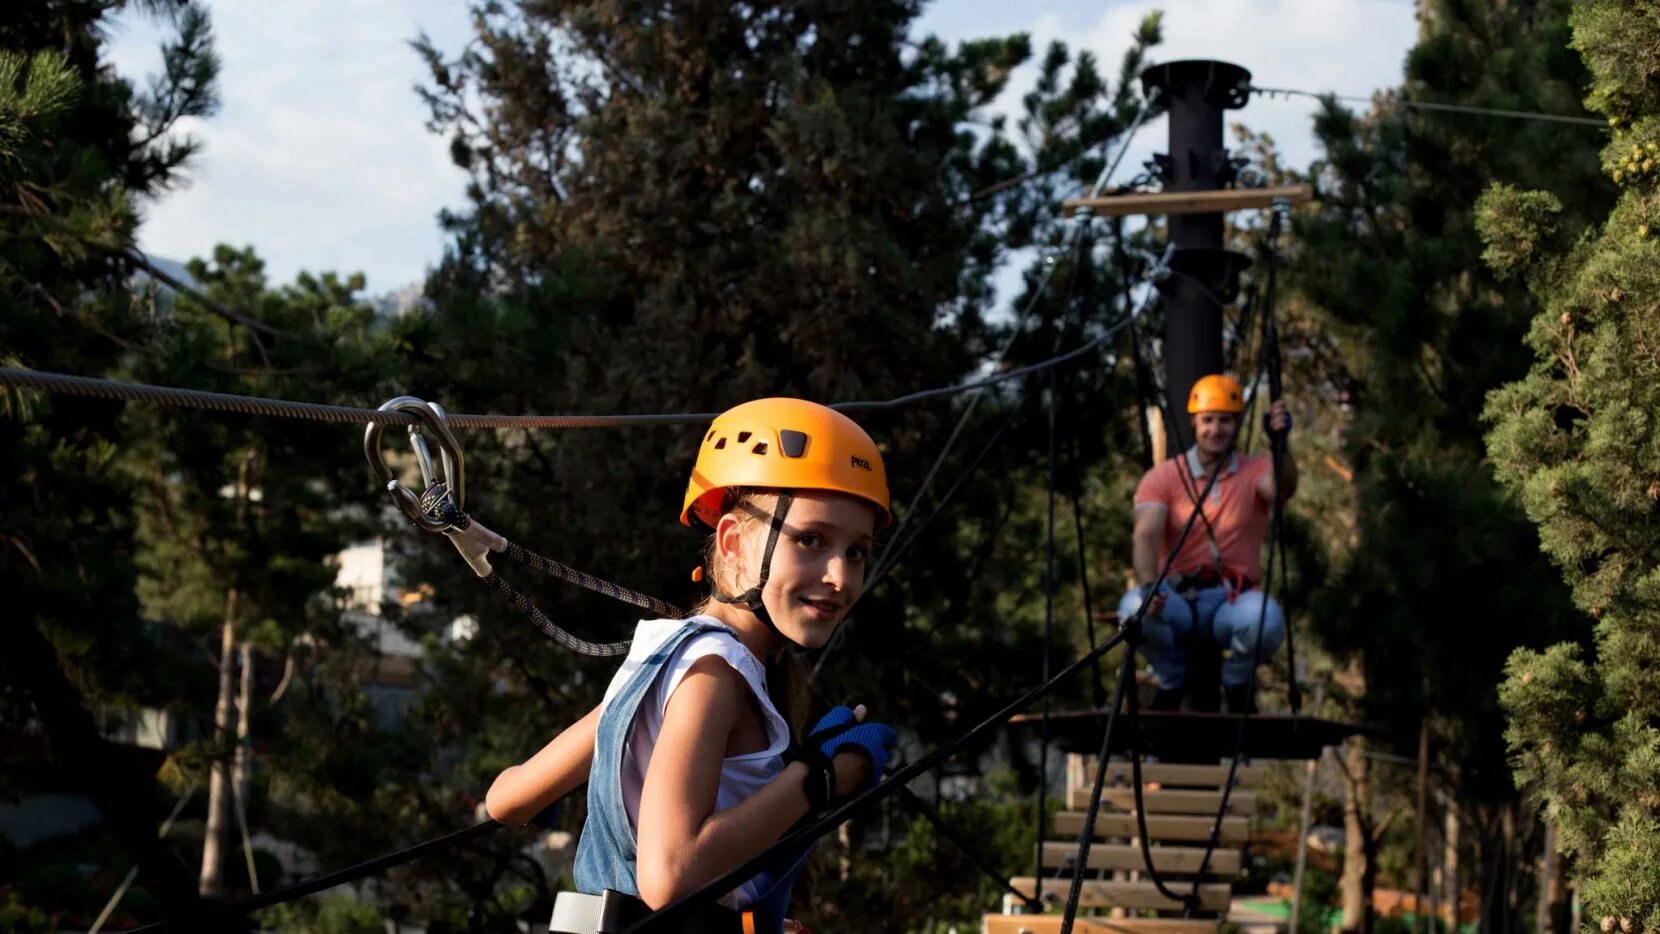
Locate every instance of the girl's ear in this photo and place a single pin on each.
(729, 542)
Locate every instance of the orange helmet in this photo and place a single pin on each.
(787, 444)
(1217, 392)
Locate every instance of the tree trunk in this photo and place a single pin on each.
(239, 763)
(216, 838)
(1453, 894)
(1420, 894)
(1554, 908)
(214, 841)
(1357, 847)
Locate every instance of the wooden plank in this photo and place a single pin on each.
(1185, 859)
(1213, 896)
(1190, 202)
(1051, 924)
(1166, 802)
(1176, 827)
(1169, 773)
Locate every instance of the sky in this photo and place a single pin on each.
(320, 160)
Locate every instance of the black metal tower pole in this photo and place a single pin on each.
(1207, 276)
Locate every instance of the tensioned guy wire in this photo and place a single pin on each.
(1446, 108)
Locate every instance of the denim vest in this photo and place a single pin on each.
(606, 856)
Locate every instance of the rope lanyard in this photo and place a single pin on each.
(440, 507)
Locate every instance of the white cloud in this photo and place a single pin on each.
(318, 157)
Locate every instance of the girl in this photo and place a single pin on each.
(689, 763)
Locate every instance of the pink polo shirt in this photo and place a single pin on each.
(1235, 508)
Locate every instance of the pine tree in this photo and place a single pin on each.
(1426, 331)
(1575, 441)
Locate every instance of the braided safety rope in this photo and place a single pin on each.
(440, 507)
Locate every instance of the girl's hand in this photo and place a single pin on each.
(858, 750)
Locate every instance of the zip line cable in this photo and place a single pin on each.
(66, 384)
(1429, 105)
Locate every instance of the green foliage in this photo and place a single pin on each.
(1394, 258)
(334, 914)
(1576, 440)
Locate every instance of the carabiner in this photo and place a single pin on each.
(450, 488)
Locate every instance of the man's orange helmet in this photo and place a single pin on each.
(789, 444)
(1217, 392)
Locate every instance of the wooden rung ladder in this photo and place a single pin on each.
(1180, 801)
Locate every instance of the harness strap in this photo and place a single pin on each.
(611, 912)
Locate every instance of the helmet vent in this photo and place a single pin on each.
(743, 436)
(794, 443)
(720, 445)
(709, 437)
(760, 447)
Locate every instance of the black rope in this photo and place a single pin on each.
(571, 575)
(1098, 687)
(361, 870)
(438, 504)
(549, 628)
(1086, 833)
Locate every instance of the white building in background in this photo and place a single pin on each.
(371, 581)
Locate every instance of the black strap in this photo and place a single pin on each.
(751, 598)
(820, 781)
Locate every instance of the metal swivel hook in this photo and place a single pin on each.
(443, 496)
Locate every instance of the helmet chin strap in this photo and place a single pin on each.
(751, 598)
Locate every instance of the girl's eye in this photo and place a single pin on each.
(809, 540)
(857, 553)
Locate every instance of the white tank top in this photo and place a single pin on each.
(741, 775)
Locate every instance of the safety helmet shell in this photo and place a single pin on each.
(1217, 392)
(784, 443)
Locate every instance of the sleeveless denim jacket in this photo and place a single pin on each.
(606, 856)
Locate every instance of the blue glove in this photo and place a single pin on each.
(838, 730)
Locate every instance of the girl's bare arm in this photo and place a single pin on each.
(682, 843)
(521, 791)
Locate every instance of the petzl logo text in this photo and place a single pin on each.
(860, 462)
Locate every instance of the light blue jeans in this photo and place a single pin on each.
(1233, 626)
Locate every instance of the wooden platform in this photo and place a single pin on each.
(1051, 924)
(1128, 856)
(1183, 828)
(1191, 202)
(1121, 772)
(1213, 896)
(1162, 801)
(1197, 737)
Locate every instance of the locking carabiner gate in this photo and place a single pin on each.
(442, 503)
